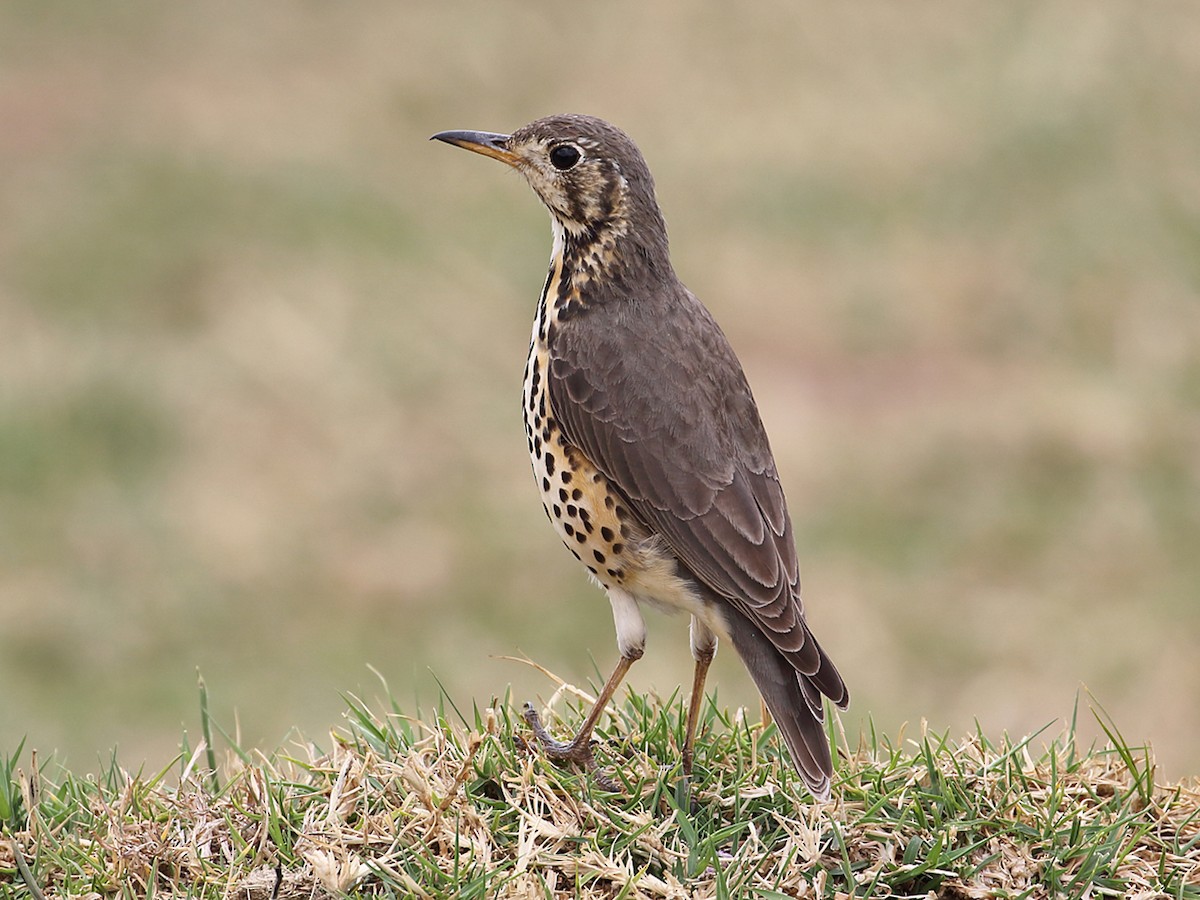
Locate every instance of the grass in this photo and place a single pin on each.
(455, 804)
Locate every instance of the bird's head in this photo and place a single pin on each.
(588, 173)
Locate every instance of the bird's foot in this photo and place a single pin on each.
(577, 751)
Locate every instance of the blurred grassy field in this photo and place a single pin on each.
(261, 347)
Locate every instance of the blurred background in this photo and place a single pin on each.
(261, 346)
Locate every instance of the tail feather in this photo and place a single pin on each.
(812, 697)
(794, 700)
(828, 680)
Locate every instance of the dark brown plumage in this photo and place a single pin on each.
(648, 446)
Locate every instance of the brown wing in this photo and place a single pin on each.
(652, 393)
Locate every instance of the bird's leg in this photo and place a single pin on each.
(579, 749)
(704, 648)
(631, 638)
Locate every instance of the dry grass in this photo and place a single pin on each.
(451, 807)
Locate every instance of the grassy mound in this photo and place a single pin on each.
(454, 805)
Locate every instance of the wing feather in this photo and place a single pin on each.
(652, 393)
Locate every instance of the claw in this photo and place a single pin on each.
(577, 751)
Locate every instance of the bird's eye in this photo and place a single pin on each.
(564, 156)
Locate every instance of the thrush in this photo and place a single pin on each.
(647, 444)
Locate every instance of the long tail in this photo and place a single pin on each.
(794, 699)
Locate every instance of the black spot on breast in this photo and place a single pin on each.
(549, 459)
(545, 485)
(572, 510)
(598, 477)
(592, 569)
(577, 494)
(566, 477)
(557, 511)
(606, 533)
(615, 573)
(625, 531)
(568, 528)
(617, 549)
(584, 514)
(608, 501)
(580, 536)
(562, 494)
(546, 436)
(599, 556)
(536, 446)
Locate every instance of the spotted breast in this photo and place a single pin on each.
(585, 508)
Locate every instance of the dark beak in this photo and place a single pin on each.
(493, 145)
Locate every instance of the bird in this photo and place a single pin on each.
(647, 445)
